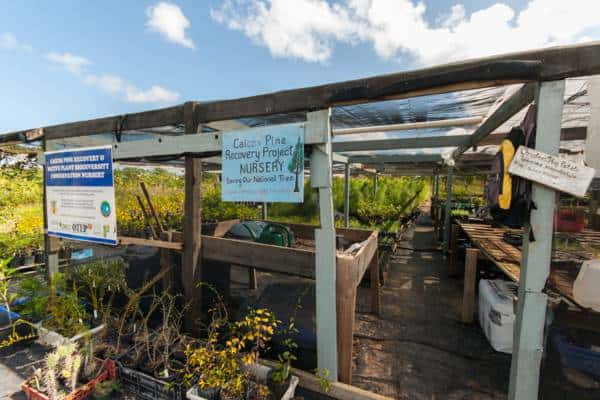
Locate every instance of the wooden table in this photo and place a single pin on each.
(488, 241)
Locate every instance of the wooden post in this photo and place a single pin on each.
(346, 195)
(346, 308)
(528, 343)
(191, 273)
(375, 284)
(166, 263)
(453, 270)
(468, 305)
(325, 259)
(51, 244)
(448, 216)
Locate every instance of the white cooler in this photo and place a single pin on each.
(496, 312)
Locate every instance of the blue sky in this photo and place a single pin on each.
(63, 61)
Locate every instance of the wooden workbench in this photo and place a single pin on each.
(488, 241)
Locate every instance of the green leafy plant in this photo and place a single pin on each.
(323, 377)
(218, 365)
(6, 273)
(99, 281)
(54, 302)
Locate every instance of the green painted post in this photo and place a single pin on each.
(528, 341)
(448, 210)
(346, 195)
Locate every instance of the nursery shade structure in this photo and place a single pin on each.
(454, 107)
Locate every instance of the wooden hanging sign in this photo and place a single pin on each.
(552, 171)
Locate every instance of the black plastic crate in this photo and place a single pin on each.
(147, 387)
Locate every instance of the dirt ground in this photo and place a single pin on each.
(419, 348)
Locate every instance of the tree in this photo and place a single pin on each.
(297, 163)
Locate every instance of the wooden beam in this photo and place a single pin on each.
(442, 123)
(507, 109)
(161, 244)
(396, 158)
(415, 142)
(191, 266)
(450, 77)
(264, 257)
(542, 64)
(146, 119)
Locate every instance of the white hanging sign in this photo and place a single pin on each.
(552, 171)
(264, 164)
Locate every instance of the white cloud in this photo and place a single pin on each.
(8, 41)
(110, 83)
(309, 29)
(107, 82)
(168, 20)
(68, 61)
(156, 94)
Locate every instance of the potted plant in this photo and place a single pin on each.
(226, 365)
(58, 312)
(150, 363)
(65, 376)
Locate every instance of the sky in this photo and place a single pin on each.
(63, 61)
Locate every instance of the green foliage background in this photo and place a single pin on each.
(21, 212)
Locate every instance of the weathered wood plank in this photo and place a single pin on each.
(265, 257)
(142, 120)
(161, 244)
(346, 307)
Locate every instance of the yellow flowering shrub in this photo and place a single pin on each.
(219, 364)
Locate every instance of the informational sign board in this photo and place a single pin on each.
(552, 171)
(264, 164)
(80, 195)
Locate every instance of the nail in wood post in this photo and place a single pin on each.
(318, 124)
(448, 216)
(191, 273)
(468, 306)
(346, 195)
(453, 270)
(528, 344)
